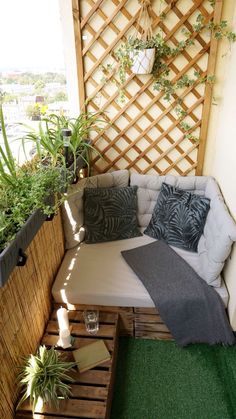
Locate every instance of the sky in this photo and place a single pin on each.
(30, 35)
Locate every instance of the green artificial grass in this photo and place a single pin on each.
(159, 380)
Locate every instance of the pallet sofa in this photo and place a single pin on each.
(96, 274)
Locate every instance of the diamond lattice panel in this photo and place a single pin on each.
(145, 133)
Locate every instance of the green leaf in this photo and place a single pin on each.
(44, 376)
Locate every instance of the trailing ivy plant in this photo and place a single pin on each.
(164, 52)
(161, 70)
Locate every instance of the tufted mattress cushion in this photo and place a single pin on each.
(72, 209)
(98, 274)
(219, 231)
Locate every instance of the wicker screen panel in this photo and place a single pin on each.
(144, 133)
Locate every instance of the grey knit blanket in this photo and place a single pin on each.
(191, 309)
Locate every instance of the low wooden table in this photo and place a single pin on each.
(92, 390)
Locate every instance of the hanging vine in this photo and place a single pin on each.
(144, 39)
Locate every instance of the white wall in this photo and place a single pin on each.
(220, 158)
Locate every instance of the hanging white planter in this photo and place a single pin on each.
(143, 60)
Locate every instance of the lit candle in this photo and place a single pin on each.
(63, 320)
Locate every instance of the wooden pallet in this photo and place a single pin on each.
(149, 325)
(143, 323)
(126, 315)
(92, 390)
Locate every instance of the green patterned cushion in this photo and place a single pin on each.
(110, 214)
(178, 217)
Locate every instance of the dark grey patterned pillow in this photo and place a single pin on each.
(110, 214)
(178, 217)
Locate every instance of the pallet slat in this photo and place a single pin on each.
(91, 391)
(30, 415)
(51, 340)
(153, 335)
(77, 316)
(92, 377)
(146, 310)
(150, 318)
(151, 327)
(73, 408)
(105, 331)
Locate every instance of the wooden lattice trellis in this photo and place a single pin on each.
(145, 133)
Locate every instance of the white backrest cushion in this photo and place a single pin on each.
(149, 187)
(218, 235)
(220, 229)
(72, 209)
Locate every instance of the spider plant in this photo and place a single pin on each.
(7, 161)
(43, 377)
(80, 128)
(49, 142)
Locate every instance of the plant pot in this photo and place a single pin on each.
(13, 254)
(143, 60)
(80, 163)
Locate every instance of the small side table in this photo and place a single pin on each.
(93, 389)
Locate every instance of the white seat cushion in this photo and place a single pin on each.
(98, 274)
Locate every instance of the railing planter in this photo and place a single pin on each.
(35, 185)
(13, 255)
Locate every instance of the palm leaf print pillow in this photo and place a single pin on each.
(178, 217)
(110, 214)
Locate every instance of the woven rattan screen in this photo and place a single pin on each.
(144, 133)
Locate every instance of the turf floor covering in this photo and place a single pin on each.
(159, 380)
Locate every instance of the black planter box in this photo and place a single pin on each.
(13, 254)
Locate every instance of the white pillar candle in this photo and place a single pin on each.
(63, 321)
(65, 338)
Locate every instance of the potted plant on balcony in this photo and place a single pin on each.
(43, 378)
(25, 202)
(142, 56)
(136, 54)
(36, 111)
(139, 52)
(33, 192)
(50, 144)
